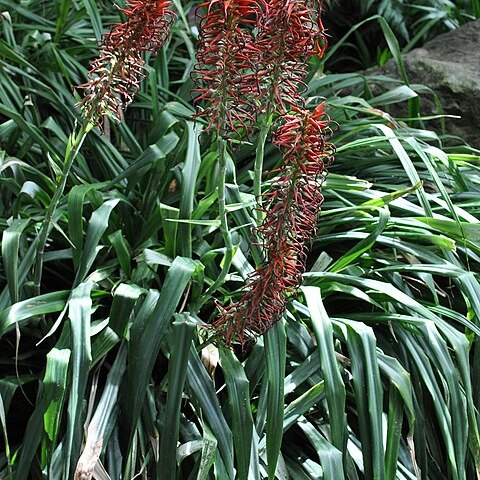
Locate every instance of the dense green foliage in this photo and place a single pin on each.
(413, 22)
(371, 374)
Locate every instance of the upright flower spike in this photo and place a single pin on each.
(116, 74)
(292, 207)
(224, 71)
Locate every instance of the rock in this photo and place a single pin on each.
(450, 66)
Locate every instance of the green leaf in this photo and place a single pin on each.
(177, 371)
(276, 356)
(146, 335)
(26, 309)
(408, 165)
(96, 228)
(209, 450)
(32, 439)
(105, 412)
(124, 300)
(203, 394)
(189, 175)
(169, 228)
(301, 405)
(120, 246)
(95, 18)
(330, 457)
(10, 246)
(80, 310)
(362, 246)
(394, 433)
(239, 403)
(334, 386)
(459, 230)
(55, 385)
(76, 201)
(102, 344)
(3, 423)
(395, 95)
(368, 395)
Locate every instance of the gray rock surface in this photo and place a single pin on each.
(450, 66)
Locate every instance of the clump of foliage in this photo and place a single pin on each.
(414, 23)
(108, 370)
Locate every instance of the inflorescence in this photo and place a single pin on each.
(117, 72)
(242, 74)
(291, 207)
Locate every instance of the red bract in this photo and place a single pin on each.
(292, 207)
(224, 71)
(289, 32)
(116, 74)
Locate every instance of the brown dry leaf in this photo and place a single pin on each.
(88, 460)
(210, 358)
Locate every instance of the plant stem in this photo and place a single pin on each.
(73, 147)
(227, 238)
(258, 167)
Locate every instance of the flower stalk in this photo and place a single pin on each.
(228, 257)
(289, 32)
(258, 165)
(254, 76)
(114, 80)
(73, 147)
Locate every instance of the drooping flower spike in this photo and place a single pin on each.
(251, 53)
(252, 60)
(116, 74)
(224, 74)
(292, 207)
(289, 32)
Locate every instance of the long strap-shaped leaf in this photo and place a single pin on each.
(10, 245)
(334, 386)
(102, 418)
(177, 371)
(55, 384)
(239, 402)
(80, 310)
(147, 334)
(368, 396)
(26, 309)
(203, 394)
(276, 357)
(96, 228)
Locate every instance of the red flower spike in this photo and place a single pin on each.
(292, 207)
(239, 72)
(289, 32)
(224, 73)
(116, 74)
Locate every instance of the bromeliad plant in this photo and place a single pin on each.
(251, 68)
